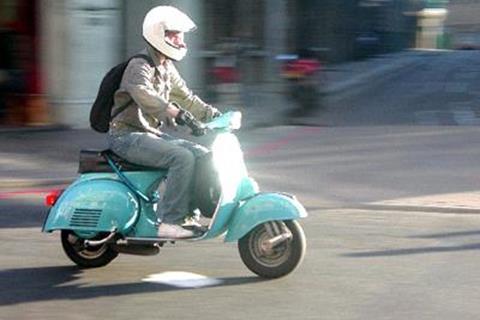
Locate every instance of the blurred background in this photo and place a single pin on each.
(55, 52)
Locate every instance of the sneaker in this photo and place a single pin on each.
(173, 231)
(193, 223)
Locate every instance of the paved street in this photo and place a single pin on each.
(364, 260)
(360, 265)
(393, 231)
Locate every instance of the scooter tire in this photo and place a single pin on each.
(91, 257)
(282, 260)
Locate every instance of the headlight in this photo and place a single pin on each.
(236, 120)
(228, 160)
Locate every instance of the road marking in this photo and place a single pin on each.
(181, 279)
(269, 147)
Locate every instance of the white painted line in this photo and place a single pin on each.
(182, 279)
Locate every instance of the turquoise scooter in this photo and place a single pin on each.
(110, 208)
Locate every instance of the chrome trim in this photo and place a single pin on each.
(94, 243)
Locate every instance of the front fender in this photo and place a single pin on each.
(261, 208)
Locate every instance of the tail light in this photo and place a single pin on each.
(52, 197)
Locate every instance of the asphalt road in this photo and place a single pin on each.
(367, 258)
(360, 265)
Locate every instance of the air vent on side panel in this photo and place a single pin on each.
(85, 218)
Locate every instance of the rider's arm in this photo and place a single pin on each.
(182, 95)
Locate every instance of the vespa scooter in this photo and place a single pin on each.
(110, 208)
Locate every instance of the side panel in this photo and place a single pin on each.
(98, 205)
(262, 208)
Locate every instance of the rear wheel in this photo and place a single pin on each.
(83, 256)
(279, 259)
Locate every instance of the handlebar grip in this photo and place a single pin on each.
(186, 118)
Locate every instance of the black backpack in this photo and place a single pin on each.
(101, 112)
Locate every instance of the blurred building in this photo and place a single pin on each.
(71, 44)
(21, 98)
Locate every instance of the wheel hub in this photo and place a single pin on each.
(268, 252)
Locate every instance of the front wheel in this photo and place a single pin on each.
(86, 257)
(273, 260)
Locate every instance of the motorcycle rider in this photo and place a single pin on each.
(153, 93)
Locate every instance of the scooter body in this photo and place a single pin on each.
(109, 205)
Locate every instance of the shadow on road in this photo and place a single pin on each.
(424, 250)
(410, 251)
(51, 283)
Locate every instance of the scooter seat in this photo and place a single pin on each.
(96, 161)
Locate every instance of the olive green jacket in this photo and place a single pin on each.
(148, 90)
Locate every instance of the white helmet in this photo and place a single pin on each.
(166, 18)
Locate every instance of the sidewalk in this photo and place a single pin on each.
(26, 152)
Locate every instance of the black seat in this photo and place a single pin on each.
(96, 161)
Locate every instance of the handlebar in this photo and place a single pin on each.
(186, 118)
(228, 121)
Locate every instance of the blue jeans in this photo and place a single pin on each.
(167, 152)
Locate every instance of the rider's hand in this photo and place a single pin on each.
(173, 112)
(170, 122)
(213, 113)
(183, 117)
(216, 114)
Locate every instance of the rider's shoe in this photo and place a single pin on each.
(173, 231)
(193, 223)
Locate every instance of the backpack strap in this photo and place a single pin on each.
(125, 106)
